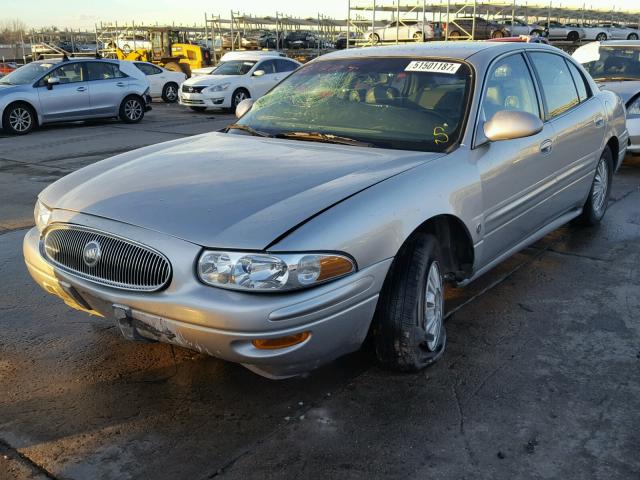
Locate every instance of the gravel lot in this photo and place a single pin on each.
(541, 378)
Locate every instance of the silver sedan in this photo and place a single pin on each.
(337, 206)
(71, 89)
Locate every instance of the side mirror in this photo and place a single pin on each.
(51, 81)
(243, 107)
(258, 73)
(512, 124)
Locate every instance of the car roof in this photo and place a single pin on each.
(459, 50)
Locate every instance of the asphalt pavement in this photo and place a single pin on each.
(541, 378)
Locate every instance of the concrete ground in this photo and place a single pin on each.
(541, 378)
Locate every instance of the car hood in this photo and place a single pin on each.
(7, 88)
(210, 79)
(626, 90)
(223, 190)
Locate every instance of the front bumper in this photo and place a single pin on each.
(633, 125)
(219, 322)
(213, 100)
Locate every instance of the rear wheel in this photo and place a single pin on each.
(632, 36)
(374, 38)
(497, 34)
(131, 109)
(455, 35)
(601, 37)
(408, 330)
(598, 200)
(19, 119)
(170, 92)
(536, 33)
(573, 36)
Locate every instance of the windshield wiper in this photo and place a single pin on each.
(246, 128)
(323, 137)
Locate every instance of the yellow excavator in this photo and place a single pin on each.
(169, 49)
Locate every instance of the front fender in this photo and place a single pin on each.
(372, 225)
(10, 98)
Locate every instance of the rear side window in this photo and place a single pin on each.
(269, 66)
(103, 71)
(148, 69)
(558, 88)
(286, 66)
(583, 92)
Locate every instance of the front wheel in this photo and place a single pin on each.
(632, 36)
(170, 92)
(418, 37)
(374, 38)
(497, 34)
(573, 37)
(408, 330)
(601, 37)
(19, 119)
(131, 110)
(598, 200)
(238, 96)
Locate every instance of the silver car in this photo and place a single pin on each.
(615, 66)
(338, 205)
(71, 89)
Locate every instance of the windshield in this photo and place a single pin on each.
(26, 74)
(400, 103)
(612, 62)
(233, 67)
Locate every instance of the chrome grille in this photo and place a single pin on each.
(120, 263)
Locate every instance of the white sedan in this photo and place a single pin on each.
(162, 82)
(235, 80)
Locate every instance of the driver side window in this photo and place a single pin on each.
(71, 72)
(509, 86)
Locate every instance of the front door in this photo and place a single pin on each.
(516, 175)
(263, 83)
(69, 99)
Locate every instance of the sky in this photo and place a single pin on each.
(85, 13)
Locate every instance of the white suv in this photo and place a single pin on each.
(247, 76)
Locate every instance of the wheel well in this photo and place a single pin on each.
(21, 102)
(455, 243)
(614, 146)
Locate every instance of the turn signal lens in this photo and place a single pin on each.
(331, 267)
(281, 342)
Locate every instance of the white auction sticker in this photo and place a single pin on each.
(429, 66)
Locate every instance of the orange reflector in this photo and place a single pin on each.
(281, 342)
(331, 267)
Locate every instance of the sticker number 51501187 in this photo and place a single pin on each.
(428, 66)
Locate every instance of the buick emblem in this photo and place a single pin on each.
(91, 253)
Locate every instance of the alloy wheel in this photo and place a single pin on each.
(133, 110)
(433, 306)
(20, 119)
(240, 96)
(600, 187)
(171, 93)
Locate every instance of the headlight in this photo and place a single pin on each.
(41, 215)
(219, 88)
(271, 272)
(634, 107)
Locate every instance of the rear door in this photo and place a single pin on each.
(578, 121)
(516, 175)
(107, 87)
(67, 100)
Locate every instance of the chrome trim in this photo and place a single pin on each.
(125, 264)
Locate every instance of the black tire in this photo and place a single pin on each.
(632, 36)
(374, 39)
(399, 335)
(198, 109)
(131, 109)
(239, 95)
(170, 92)
(596, 205)
(573, 36)
(454, 34)
(497, 34)
(601, 37)
(19, 118)
(418, 37)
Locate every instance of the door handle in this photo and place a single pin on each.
(599, 121)
(81, 89)
(546, 147)
(120, 84)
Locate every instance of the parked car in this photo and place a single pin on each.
(163, 83)
(237, 55)
(240, 76)
(557, 31)
(617, 31)
(72, 89)
(462, 27)
(615, 66)
(592, 32)
(286, 239)
(300, 39)
(6, 68)
(520, 27)
(341, 40)
(402, 31)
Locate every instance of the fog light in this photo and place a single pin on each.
(280, 342)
